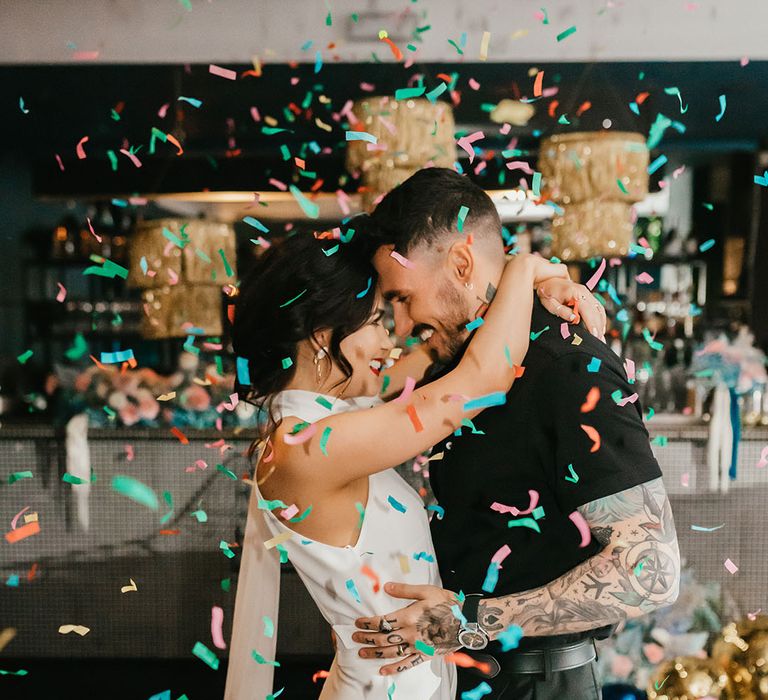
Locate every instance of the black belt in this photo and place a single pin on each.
(538, 661)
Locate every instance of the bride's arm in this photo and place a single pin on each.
(347, 446)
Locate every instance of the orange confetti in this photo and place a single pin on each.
(181, 437)
(417, 426)
(593, 435)
(445, 77)
(519, 370)
(641, 97)
(592, 398)
(175, 142)
(584, 107)
(319, 675)
(463, 660)
(397, 53)
(537, 83)
(23, 532)
(371, 574)
(170, 532)
(553, 106)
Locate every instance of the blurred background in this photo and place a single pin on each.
(150, 151)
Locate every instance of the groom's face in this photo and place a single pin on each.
(425, 301)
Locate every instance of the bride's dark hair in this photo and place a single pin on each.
(298, 287)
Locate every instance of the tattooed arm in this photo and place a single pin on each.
(637, 571)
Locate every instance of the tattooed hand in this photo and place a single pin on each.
(429, 619)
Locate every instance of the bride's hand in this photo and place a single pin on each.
(559, 295)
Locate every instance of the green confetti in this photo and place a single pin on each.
(325, 403)
(654, 344)
(203, 653)
(574, 477)
(535, 335)
(524, 522)
(463, 211)
(361, 510)
(16, 476)
(72, 479)
(224, 547)
(566, 33)
(621, 186)
(24, 357)
(201, 515)
(269, 626)
(311, 209)
(536, 186)
(135, 490)
(290, 301)
(227, 472)
(324, 441)
(78, 349)
(261, 660)
(563, 119)
(704, 247)
(270, 505)
(301, 517)
(169, 500)
(286, 362)
(408, 93)
(227, 268)
(660, 440)
(425, 648)
(226, 584)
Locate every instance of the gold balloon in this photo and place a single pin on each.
(691, 678)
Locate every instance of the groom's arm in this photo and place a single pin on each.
(638, 571)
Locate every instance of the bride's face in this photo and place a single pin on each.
(365, 346)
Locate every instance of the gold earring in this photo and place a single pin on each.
(319, 355)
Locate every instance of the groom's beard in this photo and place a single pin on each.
(453, 334)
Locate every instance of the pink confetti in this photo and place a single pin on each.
(578, 520)
(534, 501)
(62, 295)
(520, 165)
(85, 55)
(629, 368)
(128, 452)
(90, 227)
(730, 566)
(276, 183)
(685, 479)
(58, 160)
(222, 73)
(289, 512)
(367, 87)
(763, 458)
(614, 262)
(644, 278)
(564, 330)
(410, 384)
(479, 167)
(217, 617)
(132, 156)
(79, 148)
(17, 516)
(163, 110)
(743, 62)
(627, 399)
(505, 128)
(598, 274)
(402, 260)
(501, 555)
(302, 436)
(466, 142)
(255, 114)
(753, 615)
(474, 84)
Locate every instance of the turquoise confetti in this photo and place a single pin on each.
(536, 335)
(396, 504)
(497, 398)
(510, 637)
(704, 247)
(251, 221)
(203, 653)
(594, 365)
(463, 211)
(353, 589)
(135, 490)
(491, 578)
(476, 323)
(324, 440)
(290, 301)
(407, 93)
(525, 522)
(269, 626)
(477, 692)
(311, 209)
(191, 100)
(360, 295)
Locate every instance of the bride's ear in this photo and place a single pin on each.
(461, 262)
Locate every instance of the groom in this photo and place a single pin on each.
(556, 525)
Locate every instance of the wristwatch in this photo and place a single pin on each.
(471, 634)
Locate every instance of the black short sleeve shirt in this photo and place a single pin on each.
(543, 448)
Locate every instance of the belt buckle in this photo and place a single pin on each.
(490, 660)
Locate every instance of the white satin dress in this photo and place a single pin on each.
(395, 543)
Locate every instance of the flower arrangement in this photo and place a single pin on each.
(195, 396)
(738, 364)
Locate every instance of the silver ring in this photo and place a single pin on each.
(385, 626)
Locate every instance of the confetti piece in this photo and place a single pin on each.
(217, 618)
(566, 33)
(225, 549)
(594, 365)
(463, 660)
(525, 522)
(722, 108)
(565, 332)
(350, 584)
(289, 512)
(593, 435)
(290, 301)
(361, 136)
(593, 396)
(477, 692)
(537, 83)
(251, 221)
(58, 160)
(77, 629)
(655, 345)
(79, 148)
(22, 532)
(763, 458)
(497, 398)
(574, 477)
(115, 357)
(222, 73)
(302, 436)
(135, 490)
(676, 91)
(269, 626)
(417, 426)
(203, 653)
(366, 570)
(536, 334)
(656, 164)
(311, 209)
(396, 52)
(533, 495)
(699, 528)
(592, 281)
(578, 520)
(439, 511)
(396, 504)
(286, 363)
(510, 637)
(424, 648)
(22, 107)
(278, 540)
(476, 323)
(463, 211)
(616, 396)
(730, 566)
(408, 93)
(15, 476)
(706, 245)
(402, 260)
(324, 440)
(190, 100)
(644, 278)
(536, 184)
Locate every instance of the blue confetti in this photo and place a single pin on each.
(476, 693)
(353, 589)
(256, 224)
(396, 504)
(491, 578)
(497, 398)
(439, 511)
(594, 365)
(243, 373)
(510, 637)
(472, 325)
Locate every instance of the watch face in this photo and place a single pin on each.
(472, 640)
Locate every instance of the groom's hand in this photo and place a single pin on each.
(430, 620)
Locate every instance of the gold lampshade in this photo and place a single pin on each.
(595, 177)
(187, 263)
(410, 134)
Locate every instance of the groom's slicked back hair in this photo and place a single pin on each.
(424, 211)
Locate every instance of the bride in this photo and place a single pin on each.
(310, 339)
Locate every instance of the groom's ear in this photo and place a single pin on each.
(461, 262)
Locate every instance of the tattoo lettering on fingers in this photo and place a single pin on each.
(394, 639)
(368, 640)
(417, 660)
(378, 654)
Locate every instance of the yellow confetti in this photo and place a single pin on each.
(278, 539)
(78, 629)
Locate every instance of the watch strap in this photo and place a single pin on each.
(471, 605)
